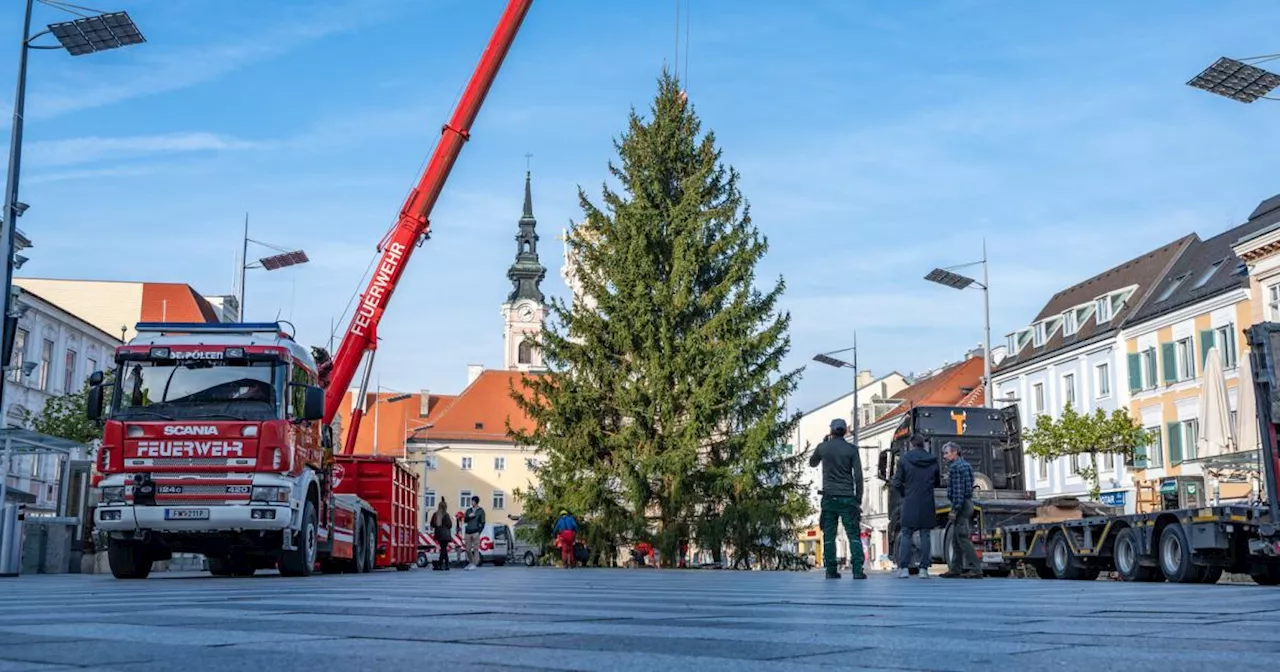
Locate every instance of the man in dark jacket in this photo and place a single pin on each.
(914, 480)
(841, 498)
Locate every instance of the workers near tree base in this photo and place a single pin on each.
(914, 481)
(841, 498)
(964, 558)
(565, 533)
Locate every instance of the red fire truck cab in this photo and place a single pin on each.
(213, 443)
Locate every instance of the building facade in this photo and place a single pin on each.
(54, 351)
(1073, 353)
(116, 307)
(1204, 302)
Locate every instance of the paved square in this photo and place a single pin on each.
(518, 618)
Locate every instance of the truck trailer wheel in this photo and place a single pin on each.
(301, 561)
(128, 559)
(1063, 561)
(1175, 556)
(1128, 559)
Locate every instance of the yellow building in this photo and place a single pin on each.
(1204, 301)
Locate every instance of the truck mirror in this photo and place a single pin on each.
(93, 401)
(313, 404)
(882, 465)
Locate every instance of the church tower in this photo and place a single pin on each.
(525, 310)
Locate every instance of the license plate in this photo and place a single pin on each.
(186, 514)
(992, 556)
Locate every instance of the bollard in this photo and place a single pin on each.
(10, 540)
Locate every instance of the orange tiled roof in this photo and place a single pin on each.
(396, 420)
(942, 389)
(974, 399)
(481, 412)
(174, 302)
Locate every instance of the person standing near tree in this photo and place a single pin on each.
(964, 558)
(474, 518)
(841, 498)
(914, 481)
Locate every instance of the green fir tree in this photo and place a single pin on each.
(664, 415)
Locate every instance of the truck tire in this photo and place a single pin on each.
(1128, 558)
(1175, 556)
(1063, 561)
(218, 567)
(369, 549)
(128, 559)
(301, 561)
(1266, 575)
(1211, 575)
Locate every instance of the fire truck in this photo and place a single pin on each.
(218, 438)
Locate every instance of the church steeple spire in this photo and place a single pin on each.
(527, 272)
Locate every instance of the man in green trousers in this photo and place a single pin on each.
(841, 497)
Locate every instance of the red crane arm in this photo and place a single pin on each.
(412, 225)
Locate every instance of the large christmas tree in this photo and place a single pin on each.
(664, 415)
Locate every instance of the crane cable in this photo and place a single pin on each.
(364, 277)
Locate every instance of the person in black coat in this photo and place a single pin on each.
(914, 481)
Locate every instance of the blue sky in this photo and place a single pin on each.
(875, 141)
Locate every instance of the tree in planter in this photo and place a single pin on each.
(1076, 435)
(665, 399)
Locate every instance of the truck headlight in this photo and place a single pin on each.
(270, 493)
(111, 494)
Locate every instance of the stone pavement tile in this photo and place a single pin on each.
(424, 653)
(150, 633)
(95, 652)
(1063, 626)
(715, 648)
(19, 666)
(17, 638)
(930, 657)
(1165, 643)
(1135, 658)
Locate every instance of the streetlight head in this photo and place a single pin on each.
(283, 260)
(20, 208)
(831, 361)
(97, 33)
(1236, 80)
(949, 279)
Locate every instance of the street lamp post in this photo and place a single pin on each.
(944, 276)
(85, 35)
(826, 358)
(283, 259)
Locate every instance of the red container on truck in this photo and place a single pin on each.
(391, 489)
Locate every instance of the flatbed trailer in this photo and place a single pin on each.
(1188, 545)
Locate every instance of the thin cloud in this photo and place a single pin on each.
(92, 149)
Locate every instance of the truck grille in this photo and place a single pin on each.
(189, 489)
(179, 462)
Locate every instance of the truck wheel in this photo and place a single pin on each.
(218, 567)
(302, 560)
(1063, 561)
(128, 559)
(1267, 575)
(1128, 558)
(1175, 556)
(370, 549)
(1211, 575)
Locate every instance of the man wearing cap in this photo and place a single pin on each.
(841, 497)
(566, 533)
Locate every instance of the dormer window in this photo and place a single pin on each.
(1013, 344)
(1042, 334)
(1104, 309)
(1070, 325)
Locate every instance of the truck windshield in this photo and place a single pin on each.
(198, 389)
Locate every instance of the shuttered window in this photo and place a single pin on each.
(1174, 431)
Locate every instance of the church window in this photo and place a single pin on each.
(525, 354)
